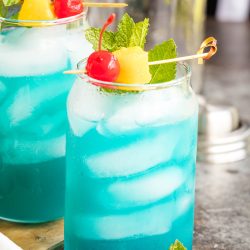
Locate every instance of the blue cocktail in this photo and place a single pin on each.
(130, 164)
(33, 92)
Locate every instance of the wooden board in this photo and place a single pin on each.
(33, 236)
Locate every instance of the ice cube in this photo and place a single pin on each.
(29, 52)
(13, 35)
(87, 102)
(28, 151)
(183, 204)
(29, 100)
(122, 120)
(187, 146)
(150, 108)
(80, 126)
(144, 189)
(19, 108)
(134, 158)
(77, 46)
(46, 125)
(147, 222)
(185, 195)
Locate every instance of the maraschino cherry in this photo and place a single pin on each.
(67, 8)
(103, 65)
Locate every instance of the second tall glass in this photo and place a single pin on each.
(33, 92)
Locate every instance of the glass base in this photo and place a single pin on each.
(32, 193)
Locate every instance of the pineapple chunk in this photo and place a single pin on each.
(134, 66)
(36, 10)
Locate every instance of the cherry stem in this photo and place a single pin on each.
(109, 21)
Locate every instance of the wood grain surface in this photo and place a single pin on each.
(33, 236)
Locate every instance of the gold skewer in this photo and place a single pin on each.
(210, 42)
(74, 72)
(105, 5)
(178, 59)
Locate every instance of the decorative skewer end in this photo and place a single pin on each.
(211, 43)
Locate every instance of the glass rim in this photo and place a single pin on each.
(137, 86)
(52, 22)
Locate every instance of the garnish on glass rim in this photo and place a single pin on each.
(209, 42)
(120, 55)
(10, 8)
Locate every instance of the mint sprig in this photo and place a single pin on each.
(163, 72)
(128, 34)
(177, 246)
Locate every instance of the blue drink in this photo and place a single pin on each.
(130, 167)
(33, 91)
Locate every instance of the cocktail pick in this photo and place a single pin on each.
(105, 5)
(209, 42)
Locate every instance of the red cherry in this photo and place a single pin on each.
(67, 8)
(103, 65)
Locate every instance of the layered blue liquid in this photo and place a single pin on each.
(131, 191)
(32, 192)
(33, 92)
(32, 146)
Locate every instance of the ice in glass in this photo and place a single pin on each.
(33, 91)
(131, 153)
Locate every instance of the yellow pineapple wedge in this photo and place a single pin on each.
(36, 10)
(134, 66)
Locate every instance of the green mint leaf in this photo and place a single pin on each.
(128, 34)
(3, 9)
(9, 8)
(177, 246)
(139, 34)
(163, 72)
(10, 12)
(93, 34)
(10, 2)
(124, 32)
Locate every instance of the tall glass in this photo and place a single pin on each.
(131, 153)
(33, 92)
